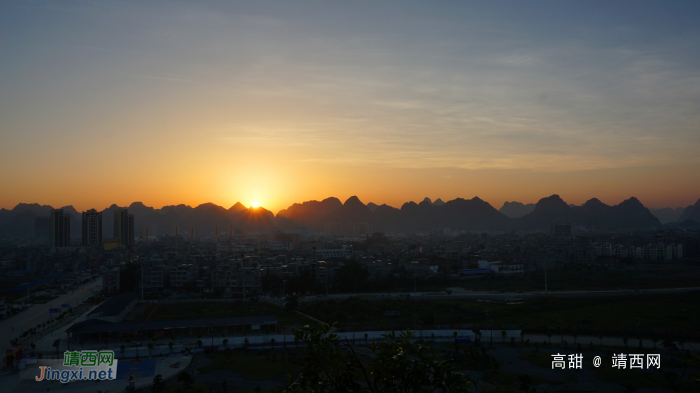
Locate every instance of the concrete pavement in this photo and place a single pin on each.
(39, 313)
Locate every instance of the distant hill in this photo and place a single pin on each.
(459, 214)
(35, 208)
(473, 214)
(688, 223)
(691, 213)
(516, 209)
(21, 225)
(594, 213)
(353, 210)
(667, 214)
(310, 212)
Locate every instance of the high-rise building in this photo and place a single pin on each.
(192, 233)
(124, 227)
(92, 228)
(215, 231)
(334, 228)
(60, 228)
(145, 232)
(176, 230)
(561, 229)
(358, 228)
(230, 230)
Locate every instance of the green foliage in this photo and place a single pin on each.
(291, 303)
(400, 365)
(254, 365)
(302, 283)
(694, 362)
(185, 378)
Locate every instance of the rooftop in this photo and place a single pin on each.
(113, 306)
(475, 271)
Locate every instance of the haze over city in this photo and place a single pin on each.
(276, 103)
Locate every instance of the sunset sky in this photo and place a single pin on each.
(281, 102)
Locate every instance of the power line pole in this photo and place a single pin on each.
(141, 280)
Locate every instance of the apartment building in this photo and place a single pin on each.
(182, 275)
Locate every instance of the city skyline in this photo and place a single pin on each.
(275, 103)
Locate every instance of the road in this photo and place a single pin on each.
(39, 313)
(459, 293)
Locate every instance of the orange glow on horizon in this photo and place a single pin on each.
(276, 188)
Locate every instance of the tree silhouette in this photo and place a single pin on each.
(400, 365)
(186, 379)
(670, 345)
(11, 358)
(56, 343)
(158, 384)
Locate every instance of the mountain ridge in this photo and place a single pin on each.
(462, 214)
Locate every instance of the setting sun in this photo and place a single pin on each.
(256, 204)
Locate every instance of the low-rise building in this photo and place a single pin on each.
(343, 252)
(182, 275)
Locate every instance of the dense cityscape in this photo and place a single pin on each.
(343, 270)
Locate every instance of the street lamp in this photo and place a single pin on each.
(489, 321)
(284, 333)
(559, 327)
(138, 344)
(639, 331)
